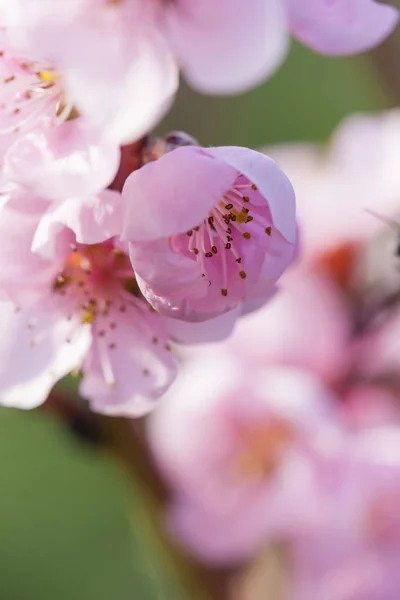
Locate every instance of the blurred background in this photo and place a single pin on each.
(78, 500)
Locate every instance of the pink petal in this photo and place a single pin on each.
(38, 346)
(271, 181)
(69, 160)
(174, 193)
(93, 219)
(276, 333)
(341, 26)
(212, 330)
(136, 82)
(227, 46)
(166, 278)
(19, 218)
(126, 370)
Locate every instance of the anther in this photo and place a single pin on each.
(190, 232)
(268, 230)
(243, 274)
(249, 219)
(208, 254)
(228, 206)
(246, 199)
(195, 251)
(254, 187)
(228, 246)
(246, 235)
(224, 292)
(214, 249)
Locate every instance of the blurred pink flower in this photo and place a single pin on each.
(209, 229)
(238, 449)
(223, 46)
(309, 304)
(75, 307)
(353, 552)
(336, 187)
(102, 60)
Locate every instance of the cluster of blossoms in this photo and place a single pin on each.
(112, 247)
(292, 433)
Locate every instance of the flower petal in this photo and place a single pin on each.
(174, 193)
(227, 46)
(68, 160)
(93, 219)
(342, 26)
(128, 367)
(38, 346)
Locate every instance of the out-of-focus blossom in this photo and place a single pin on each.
(279, 333)
(222, 46)
(104, 61)
(337, 187)
(209, 229)
(353, 552)
(238, 447)
(75, 307)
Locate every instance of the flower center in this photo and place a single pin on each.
(94, 276)
(260, 448)
(30, 92)
(224, 238)
(382, 520)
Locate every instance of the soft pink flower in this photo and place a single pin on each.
(75, 307)
(353, 552)
(222, 46)
(308, 303)
(338, 188)
(238, 448)
(102, 60)
(209, 229)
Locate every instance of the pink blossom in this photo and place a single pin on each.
(222, 46)
(279, 332)
(353, 553)
(238, 448)
(75, 307)
(208, 229)
(343, 190)
(86, 58)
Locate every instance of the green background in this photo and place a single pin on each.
(71, 525)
